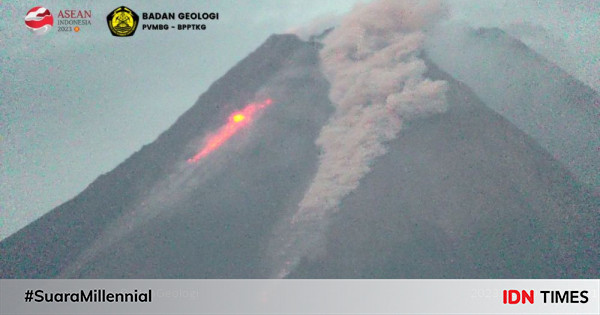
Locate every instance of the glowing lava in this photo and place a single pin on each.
(239, 117)
(235, 122)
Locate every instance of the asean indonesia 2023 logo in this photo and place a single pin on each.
(122, 21)
(39, 20)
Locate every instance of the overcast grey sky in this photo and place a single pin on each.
(73, 106)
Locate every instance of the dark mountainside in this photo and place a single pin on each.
(236, 209)
(461, 194)
(464, 194)
(553, 107)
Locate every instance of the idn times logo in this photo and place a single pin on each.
(547, 296)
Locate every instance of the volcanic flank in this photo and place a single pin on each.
(341, 176)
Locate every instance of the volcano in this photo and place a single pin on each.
(464, 193)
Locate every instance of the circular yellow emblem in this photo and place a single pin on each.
(122, 21)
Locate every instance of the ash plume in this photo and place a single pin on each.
(372, 62)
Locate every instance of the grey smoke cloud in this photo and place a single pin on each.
(377, 83)
(372, 62)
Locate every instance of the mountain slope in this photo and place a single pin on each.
(554, 108)
(464, 194)
(460, 194)
(53, 242)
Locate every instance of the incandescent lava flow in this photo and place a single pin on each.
(236, 121)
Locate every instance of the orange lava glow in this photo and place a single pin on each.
(235, 122)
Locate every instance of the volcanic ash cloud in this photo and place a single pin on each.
(372, 62)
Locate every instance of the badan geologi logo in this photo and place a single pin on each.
(122, 21)
(39, 20)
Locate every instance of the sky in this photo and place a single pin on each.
(74, 106)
